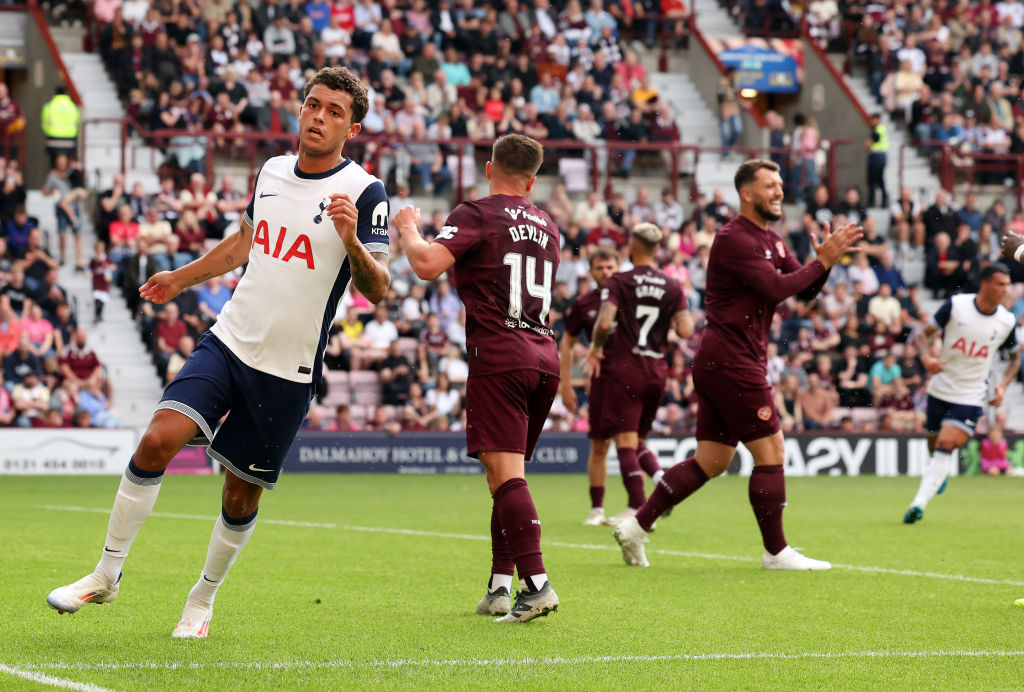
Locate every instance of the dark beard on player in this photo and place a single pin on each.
(766, 213)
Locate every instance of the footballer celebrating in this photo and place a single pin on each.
(503, 252)
(642, 304)
(315, 222)
(749, 273)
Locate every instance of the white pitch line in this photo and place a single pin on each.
(42, 679)
(557, 544)
(546, 661)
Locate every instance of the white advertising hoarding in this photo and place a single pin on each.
(65, 451)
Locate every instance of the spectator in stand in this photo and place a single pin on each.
(212, 296)
(787, 401)
(168, 333)
(279, 39)
(179, 357)
(92, 400)
(882, 374)
(16, 291)
(378, 334)
(993, 453)
(940, 217)
(668, 212)
(445, 304)
(7, 410)
(60, 181)
(969, 214)
(884, 307)
(853, 379)
(817, 403)
(343, 419)
(434, 345)
(21, 362)
(31, 399)
(122, 232)
(11, 120)
(156, 232)
(79, 363)
(191, 238)
(200, 200)
(102, 269)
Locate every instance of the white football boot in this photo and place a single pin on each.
(92, 588)
(595, 518)
(195, 621)
(631, 538)
(788, 558)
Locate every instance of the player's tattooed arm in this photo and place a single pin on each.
(369, 269)
(604, 324)
(1008, 376)
(603, 327)
(227, 255)
(923, 340)
(369, 272)
(565, 370)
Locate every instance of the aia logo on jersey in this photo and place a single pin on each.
(764, 413)
(299, 248)
(974, 351)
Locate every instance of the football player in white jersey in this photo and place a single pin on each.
(974, 327)
(315, 222)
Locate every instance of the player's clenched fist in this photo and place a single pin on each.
(406, 217)
(344, 215)
(835, 244)
(1011, 245)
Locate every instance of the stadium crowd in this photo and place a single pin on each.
(51, 376)
(465, 69)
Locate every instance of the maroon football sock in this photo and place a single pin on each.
(501, 560)
(768, 497)
(632, 476)
(519, 522)
(678, 483)
(648, 462)
(597, 496)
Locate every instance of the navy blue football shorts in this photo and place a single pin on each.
(939, 413)
(264, 412)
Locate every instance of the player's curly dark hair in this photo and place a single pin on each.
(342, 79)
(518, 155)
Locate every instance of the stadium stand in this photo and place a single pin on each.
(216, 86)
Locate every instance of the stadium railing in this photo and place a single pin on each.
(953, 164)
(677, 160)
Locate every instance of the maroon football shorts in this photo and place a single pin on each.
(505, 411)
(630, 402)
(734, 406)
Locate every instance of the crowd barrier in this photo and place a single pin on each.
(106, 452)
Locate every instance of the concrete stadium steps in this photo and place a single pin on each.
(714, 21)
(917, 173)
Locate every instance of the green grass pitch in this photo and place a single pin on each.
(370, 582)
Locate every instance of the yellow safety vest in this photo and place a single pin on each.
(880, 146)
(60, 117)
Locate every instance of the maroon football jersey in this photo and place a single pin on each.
(647, 300)
(750, 271)
(579, 321)
(506, 254)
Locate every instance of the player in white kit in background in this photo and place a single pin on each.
(315, 222)
(974, 327)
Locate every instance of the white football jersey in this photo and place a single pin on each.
(970, 339)
(277, 319)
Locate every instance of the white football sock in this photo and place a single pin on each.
(135, 498)
(536, 582)
(226, 543)
(934, 474)
(499, 580)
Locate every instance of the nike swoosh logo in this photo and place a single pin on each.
(205, 578)
(253, 467)
(108, 550)
(268, 194)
